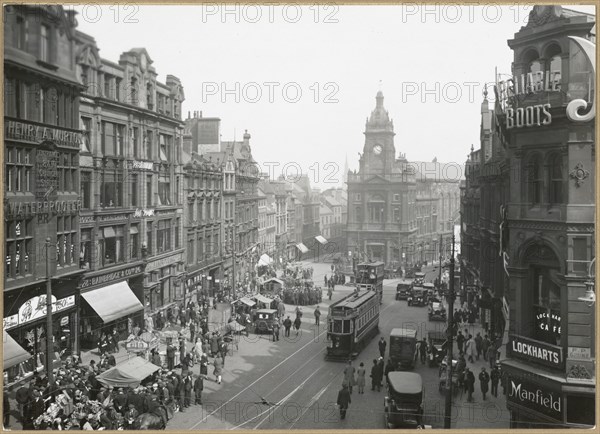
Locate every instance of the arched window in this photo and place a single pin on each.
(554, 65)
(534, 180)
(555, 172)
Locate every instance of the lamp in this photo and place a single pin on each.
(590, 294)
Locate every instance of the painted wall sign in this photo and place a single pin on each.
(548, 322)
(578, 353)
(38, 133)
(14, 209)
(145, 165)
(163, 262)
(143, 212)
(35, 308)
(46, 174)
(535, 351)
(110, 277)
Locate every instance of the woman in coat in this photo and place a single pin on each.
(360, 378)
(470, 351)
(469, 384)
(297, 323)
(204, 365)
(349, 376)
(218, 371)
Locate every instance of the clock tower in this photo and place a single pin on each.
(379, 152)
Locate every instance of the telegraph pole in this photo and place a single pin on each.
(49, 333)
(449, 337)
(440, 265)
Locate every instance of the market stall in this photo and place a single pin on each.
(128, 374)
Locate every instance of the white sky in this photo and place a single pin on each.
(348, 51)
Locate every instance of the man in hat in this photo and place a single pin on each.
(198, 388)
(188, 387)
(23, 396)
(343, 400)
(170, 356)
(130, 416)
(121, 401)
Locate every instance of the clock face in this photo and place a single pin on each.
(377, 149)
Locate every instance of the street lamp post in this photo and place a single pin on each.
(440, 264)
(49, 333)
(449, 337)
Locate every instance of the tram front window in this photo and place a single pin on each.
(337, 326)
(347, 326)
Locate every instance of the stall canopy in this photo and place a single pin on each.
(320, 239)
(263, 299)
(265, 260)
(302, 247)
(113, 302)
(247, 301)
(274, 279)
(13, 352)
(129, 373)
(235, 326)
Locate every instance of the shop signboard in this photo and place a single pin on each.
(536, 352)
(111, 277)
(541, 398)
(35, 308)
(18, 130)
(163, 262)
(578, 353)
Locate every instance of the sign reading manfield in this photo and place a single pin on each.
(534, 351)
(535, 396)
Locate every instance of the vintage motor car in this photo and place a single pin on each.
(430, 287)
(419, 278)
(417, 297)
(404, 400)
(264, 320)
(403, 289)
(437, 350)
(403, 348)
(437, 311)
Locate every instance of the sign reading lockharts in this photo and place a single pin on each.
(534, 396)
(535, 351)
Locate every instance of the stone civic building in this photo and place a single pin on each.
(131, 189)
(550, 212)
(397, 209)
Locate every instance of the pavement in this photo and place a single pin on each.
(288, 384)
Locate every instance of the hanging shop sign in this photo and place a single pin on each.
(110, 277)
(145, 165)
(139, 212)
(163, 262)
(534, 351)
(35, 308)
(534, 396)
(38, 133)
(15, 209)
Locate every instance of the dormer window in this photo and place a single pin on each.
(149, 97)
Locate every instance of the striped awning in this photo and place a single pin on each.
(302, 247)
(320, 239)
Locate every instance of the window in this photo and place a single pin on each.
(149, 97)
(86, 190)
(20, 34)
(107, 83)
(556, 179)
(580, 255)
(19, 245)
(534, 181)
(135, 142)
(148, 145)
(200, 255)
(148, 190)
(177, 230)
(66, 240)
(111, 244)
(67, 172)
(164, 191)
(108, 138)
(134, 240)
(120, 137)
(546, 305)
(397, 215)
(581, 409)
(133, 91)
(177, 198)
(45, 43)
(134, 189)
(19, 168)
(190, 213)
(118, 89)
(163, 147)
(149, 238)
(85, 249)
(190, 251)
(376, 212)
(86, 127)
(111, 190)
(357, 197)
(163, 236)
(396, 197)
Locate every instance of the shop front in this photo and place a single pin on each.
(110, 302)
(25, 343)
(539, 394)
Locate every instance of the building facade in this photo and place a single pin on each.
(550, 353)
(42, 200)
(131, 189)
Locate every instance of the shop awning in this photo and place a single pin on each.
(129, 373)
(320, 239)
(113, 302)
(265, 260)
(13, 352)
(263, 299)
(302, 247)
(247, 301)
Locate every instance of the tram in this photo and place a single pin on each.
(352, 322)
(369, 275)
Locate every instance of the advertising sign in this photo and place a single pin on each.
(534, 396)
(46, 174)
(534, 351)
